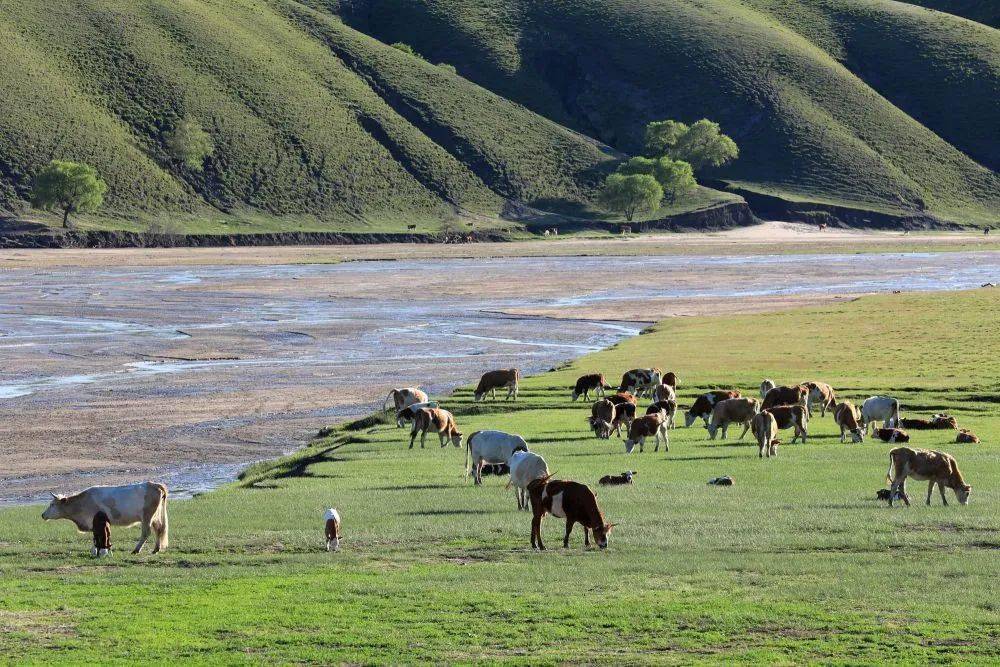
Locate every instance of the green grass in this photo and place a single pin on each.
(796, 563)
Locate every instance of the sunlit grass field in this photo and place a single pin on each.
(795, 563)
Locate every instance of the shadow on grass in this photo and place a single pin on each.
(705, 458)
(410, 487)
(462, 512)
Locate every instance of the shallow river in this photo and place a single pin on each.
(187, 374)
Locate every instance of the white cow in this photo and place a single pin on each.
(490, 447)
(525, 468)
(880, 407)
(402, 398)
(144, 503)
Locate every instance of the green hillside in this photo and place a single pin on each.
(983, 11)
(869, 103)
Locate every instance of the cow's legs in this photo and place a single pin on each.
(143, 536)
(423, 438)
(536, 533)
(746, 427)
(725, 430)
(569, 529)
(478, 470)
(843, 435)
(413, 434)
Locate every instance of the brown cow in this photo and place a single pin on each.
(921, 464)
(703, 405)
(622, 397)
(822, 393)
(602, 418)
(491, 381)
(102, 535)
(739, 410)
(670, 378)
(440, 421)
(792, 416)
(654, 425)
(787, 395)
(587, 383)
(624, 416)
(848, 418)
(965, 436)
(765, 429)
(890, 434)
(944, 422)
(669, 406)
(568, 500)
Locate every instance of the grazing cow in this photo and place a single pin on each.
(792, 416)
(622, 397)
(405, 416)
(669, 406)
(848, 417)
(490, 447)
(765, 429)
(766, 386)
(572, 501)
(890, 435)
(102, 535)
(507, 378)
(641, 381)
(594, 382)
(525, 468)
(654, 425)
(739, 410)
(332, 519)
(616, 480)
(402, 398)
(144, 503)
(441, 421)
(965, 436)
(787, 395)
(602, 417)
(934, 423)
(822, 393)
(879, 407)
(921, 464)
(703, 405)
(624, 416)
(664, 392)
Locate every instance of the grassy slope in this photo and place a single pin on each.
(795, 563)
(983, 11)
(841, 101)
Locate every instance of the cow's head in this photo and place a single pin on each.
(456, 438)
(602, 429)
(857, 435)
(712, 428)
(630, 445)
(689, 418)
(56, 509)
(478, 396)
(962, 493)
(601, 535)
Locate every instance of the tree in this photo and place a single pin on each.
(700, 145)
(189, 144)
(662, 136)
(675, 176)
(631, 193)
(70, 187)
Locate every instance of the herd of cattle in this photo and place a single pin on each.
(778, 408)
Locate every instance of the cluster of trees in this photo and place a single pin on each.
(673, 152)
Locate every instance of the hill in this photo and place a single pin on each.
(983, 11)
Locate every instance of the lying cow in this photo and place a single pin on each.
(572, 501)
(641, 381)
(921, 464)
(402, 398)
(406, 415)
(617, 480)
(331, 519)
(440, 421)
(669, 406)
(765, 429)
(876, 408)
(787, 395)
(890, 434)
(766, 386)
(792, 416)
(703, 405)
(525, 468)
(144, 503)
(965, 436)
(848, 418)
(821, 393)
(733, 410)
(654, 425)
(508, 379)
(490, 447)
(937, 422)
(590, 383)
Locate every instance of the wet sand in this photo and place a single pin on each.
(187, 373)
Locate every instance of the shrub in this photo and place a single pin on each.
(189, 144)
(70, 187)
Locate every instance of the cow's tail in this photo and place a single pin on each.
(385, 403)
(164, 540)
(895, 414)
(468, 454)
(892, 469)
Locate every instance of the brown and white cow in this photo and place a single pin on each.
(670, 378)
(787, 395)
(669, 406)
(568, 500)
(664, 392)
(331, 519)
(765, 429)
(641, 381)
(144, 503)
(440, 421)
(921, 464)
(651, 425)
(587, 383)
(602, 418)
(732, 410)
(821, 393)
(792, 416)
(848, 418)
(623, 397)
(403, 398)
(967, 437)
(703, 405)
(507, 378)
(891, 435)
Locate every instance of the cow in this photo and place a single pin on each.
(848, 417)
(879, 407)
(441, 421)
(671, 380)
(965, 436)
(602, 418)
(406, 415)
(669, 406)
(507, 378)
(703, 405)
(654, 425)
(622, 397)
(585, 384)
(144, 503)
(490, 447)
(792, 416)
(332, 522)
(641, 381)
(525, 468)
(617, 480)
(765, 429)
(402, 398)
(739, 410)
(822, 393)
(935, 422)
(890, 434)
(766, 386)
(102, 535)
(664, 392)
(624, 416)
(787, 395)
(568, 500)
(921, 464)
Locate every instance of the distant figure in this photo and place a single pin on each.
(547, 232)
(332, 517)
(555, 231)
(986, 231)
(102, 535)
(822, 226)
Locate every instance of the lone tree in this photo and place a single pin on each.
(675, 176)
(70, 187)
(631, 193)
(700, 145)
(189, 144)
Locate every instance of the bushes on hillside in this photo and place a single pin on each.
(189, 144)
(70, 187)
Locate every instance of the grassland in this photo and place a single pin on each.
(795, 563)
